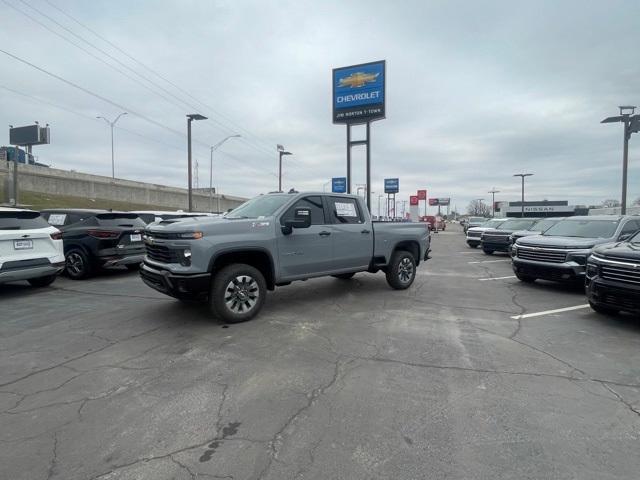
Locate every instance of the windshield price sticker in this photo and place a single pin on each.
(346, 210)
(57, 218)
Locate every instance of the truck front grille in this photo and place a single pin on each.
(160, 253)
(540, 254)
(621, 272)
(474, 234)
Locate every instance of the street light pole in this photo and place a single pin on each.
(522, 175)
(631, 125)
(493, 192)
(281, 152)
(191, 117)
(215, 147)
(112, 124)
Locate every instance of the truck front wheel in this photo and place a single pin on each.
(401, 270)
(237, 293)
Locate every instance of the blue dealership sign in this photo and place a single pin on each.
(391, 185)
(359, 93)
(339, 185)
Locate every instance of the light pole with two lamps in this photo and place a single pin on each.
(190, 118)
(522, 175)
(631, 125)
(281, 152)
(112, 124)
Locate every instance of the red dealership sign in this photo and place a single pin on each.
(413, 200)
(422, 194)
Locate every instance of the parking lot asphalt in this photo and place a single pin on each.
(467, 375)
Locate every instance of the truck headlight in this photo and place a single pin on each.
(592, 270)
(185, 257)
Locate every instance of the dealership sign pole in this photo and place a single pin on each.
(359, 98)
(25, 137)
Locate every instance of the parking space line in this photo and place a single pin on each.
(496, 278)
(549, 312)
(492, 261)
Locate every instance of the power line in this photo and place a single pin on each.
(234, 126)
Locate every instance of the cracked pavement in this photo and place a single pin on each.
(106, 379)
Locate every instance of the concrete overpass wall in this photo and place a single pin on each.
(63, 182)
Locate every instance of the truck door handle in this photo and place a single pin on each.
(365, 231)
(324, 233)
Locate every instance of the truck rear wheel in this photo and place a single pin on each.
(401, 270)
(237, 293)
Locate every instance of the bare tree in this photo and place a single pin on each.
(610, 202)
(477, 208)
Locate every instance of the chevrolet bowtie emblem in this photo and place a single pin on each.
(358, 79)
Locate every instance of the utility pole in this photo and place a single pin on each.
(631, 125)
(522, 175)
(493, 192)
(112, 125)
(281, 152)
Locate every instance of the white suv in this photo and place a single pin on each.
(30, 249)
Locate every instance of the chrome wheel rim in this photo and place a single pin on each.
(75, 264)
(241, 294)
(405, 270)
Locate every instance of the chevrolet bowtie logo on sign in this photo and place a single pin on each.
(358, 79)
(359, 93)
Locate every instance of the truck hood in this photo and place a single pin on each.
(525, 233)
(619, 250)
(210, 225)
(560, 242)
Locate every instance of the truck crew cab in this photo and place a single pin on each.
(272, 240)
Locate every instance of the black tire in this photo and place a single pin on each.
(487, 251)
(525, 278)
(401, 271)
(230, 286)
(133, 267)
(78, 265)
(42, 281)
(472, 246)
(344, 276)
(602, 309)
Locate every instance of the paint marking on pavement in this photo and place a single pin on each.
(549, 312)
(492, 261)
(496, 278)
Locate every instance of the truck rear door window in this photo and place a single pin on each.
(344, 210)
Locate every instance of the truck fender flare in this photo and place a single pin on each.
(269, 278)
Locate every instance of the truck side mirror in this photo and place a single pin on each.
(301, 219)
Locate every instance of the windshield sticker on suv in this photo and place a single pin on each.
(346, 210)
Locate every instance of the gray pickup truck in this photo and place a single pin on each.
(272, 240)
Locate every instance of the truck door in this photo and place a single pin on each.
(352, 235)
(306, 251)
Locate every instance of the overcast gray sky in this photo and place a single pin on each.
(476, 91)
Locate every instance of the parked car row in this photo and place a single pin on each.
(37, 246)
(600, 252)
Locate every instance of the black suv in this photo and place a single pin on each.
(537, 228)
(561, 252)
(98, 238)
(613, 277)
(499, 239)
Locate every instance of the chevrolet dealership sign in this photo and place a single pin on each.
(359, 93)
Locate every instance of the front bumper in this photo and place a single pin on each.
(612, 294)
(28, 273)
(473, 241)
(557, 272)
(496, 246)
(188, 286)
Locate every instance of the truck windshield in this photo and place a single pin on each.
(262, 206)
(583, 228)
(542, 225)
(519, 224)
(477, 220)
